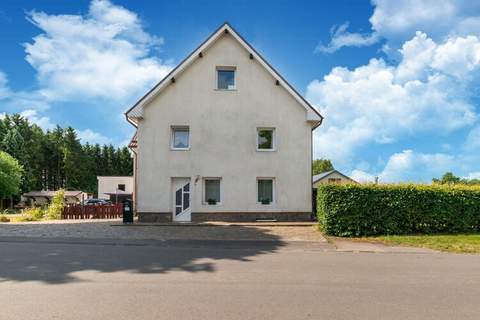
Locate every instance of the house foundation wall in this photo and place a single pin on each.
(227, 216)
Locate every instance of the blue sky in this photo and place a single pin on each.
(395, 80)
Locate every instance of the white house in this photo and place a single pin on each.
(223, 137)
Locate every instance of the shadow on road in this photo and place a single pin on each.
(54, 260)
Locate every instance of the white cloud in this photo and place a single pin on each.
(472, 143)
(105, 54)
(406, 165)
(397, 21)
(381, 103)
(473, 175)
(342, 38)
(409, 166)
(92, 137)
(362, 176)
(32, 116)
(4, 89)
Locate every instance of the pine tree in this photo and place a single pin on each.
(56, 159)
(73, 160)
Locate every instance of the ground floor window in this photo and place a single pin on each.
(265, 190)
(212, 191)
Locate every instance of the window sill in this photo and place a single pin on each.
(179, 149)
(225, 89)
(266, 150)
(218, 204)
(266, 205)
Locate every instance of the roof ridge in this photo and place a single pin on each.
(208, 41)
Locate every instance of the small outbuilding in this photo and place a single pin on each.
(44, 197)
(115, 188)
(332, 176)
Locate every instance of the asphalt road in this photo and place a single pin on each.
(230, 280)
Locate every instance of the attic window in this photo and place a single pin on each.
(226, 78)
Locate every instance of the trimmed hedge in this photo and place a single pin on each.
(362, 210)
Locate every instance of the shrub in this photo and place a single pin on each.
(360, 210)
(9, 211)
(31, 214)
(4, 218)
(54, 210)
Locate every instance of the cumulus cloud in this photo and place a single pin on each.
(105, 53)
(428, 91)
(409, 166)
(405, 166)
(104, 58)
(92, 137)
(397, 21)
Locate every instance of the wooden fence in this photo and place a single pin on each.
(76, 211)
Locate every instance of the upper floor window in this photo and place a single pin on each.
(265, 139)
(226, 78)
(121, 187)
(180, 138)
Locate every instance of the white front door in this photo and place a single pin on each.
(181, 199)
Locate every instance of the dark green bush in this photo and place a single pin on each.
(361, 210)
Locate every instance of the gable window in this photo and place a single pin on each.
(226, 78)
(121, 187)
(212, 191)
(334, 180)
(180, 138)
(265, 139)
(265, 190)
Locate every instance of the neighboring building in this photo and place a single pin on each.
(332, 176)
(41, 198)
(115, 188)
(223, 137)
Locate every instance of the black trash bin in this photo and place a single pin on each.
(127, 211)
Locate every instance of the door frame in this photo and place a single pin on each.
(184, 215)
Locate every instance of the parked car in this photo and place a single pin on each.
(96, 202)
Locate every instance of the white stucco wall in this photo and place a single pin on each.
(223, 128)
(110, 184)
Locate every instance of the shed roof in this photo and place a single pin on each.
(51, 193)
(323, 175)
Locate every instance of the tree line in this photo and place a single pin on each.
(450, 178)
(56, 159)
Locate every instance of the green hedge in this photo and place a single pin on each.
(361, 210)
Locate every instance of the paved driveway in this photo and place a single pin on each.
(113, 229)
(99, 279)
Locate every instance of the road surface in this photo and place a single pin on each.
(133, 279)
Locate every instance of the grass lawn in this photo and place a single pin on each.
(460, 243)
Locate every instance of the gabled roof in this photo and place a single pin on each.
(51, 194)
(136, 111)
(323, 175)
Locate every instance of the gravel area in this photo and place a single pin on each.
(113, 229)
